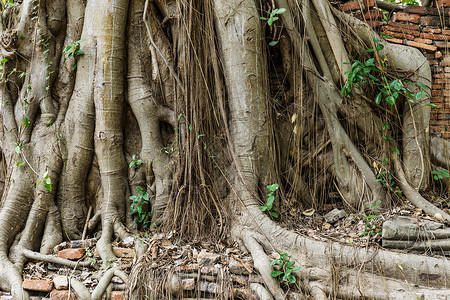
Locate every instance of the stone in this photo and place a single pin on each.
(206, 258)
(188, 284)
(335, 215)
(37, 285)
(124, 252)
(61, 282)
(117, 295)
(62, 295)
(237, 268)
(72, 253)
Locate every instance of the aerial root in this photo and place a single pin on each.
(102, 287)
(56, 260)
(317, 291)
(262, 264)
(260, 291)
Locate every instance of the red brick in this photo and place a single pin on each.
(423, 41)
(441, 44)
(354, 5)
(431, 30)
(422, 10)
(374, 14)
(374, 24)
(124, 252)
(432, 36)
(402, 30)
(405, 17)
(406, 26)
(430, 21)
(443, 3)
(72, 253)
(62, 295)
(38, 285)
(433, 62)
(438, 54)
(395, 41)
(436, 93)
(399, 35)
(421, 46)
(436, 87)
(117, 295)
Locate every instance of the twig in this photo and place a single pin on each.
(86, 223)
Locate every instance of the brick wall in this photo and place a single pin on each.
(427, 29)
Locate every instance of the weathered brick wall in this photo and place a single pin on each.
(427, 29)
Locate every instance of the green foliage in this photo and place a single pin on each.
(136, 163)
(371, 229)
(140, 207)
(74, 51)
(272, 17)
(389, 88)
(8, 3)
(284, 267)
(270, 199)
(440, 174)
(47, 181)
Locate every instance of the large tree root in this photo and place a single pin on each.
(362, 272)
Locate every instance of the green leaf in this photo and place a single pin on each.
(263, 18)
(280, 11)
(296, 269)
(431, 105)
(369, 62)
(263, 208)
(39, 182)
(276, 273)
(269, 202)
(445, 173)
(291, 278)
(19, 163)
(17, 149)
(423, 85)
(379, 47)
(420, 95)
(383, 35)
(378, 98)
(47, 182)
(390, 100)
(273, 187)
(270, 22)
(274, 214)
(273, 43)
(369, 50)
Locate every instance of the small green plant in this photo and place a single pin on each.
(270, 198)
(370, 228)
(389, 89)
(140, 206)
(272, 16)
(136, 163)
(47, 181)
(74, 51)
(284, 268)
(440, 174)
